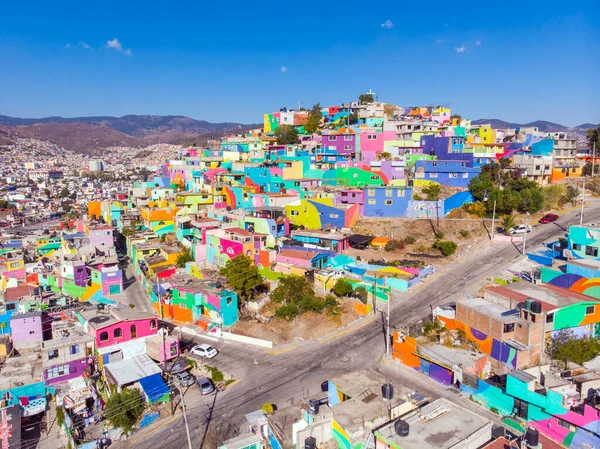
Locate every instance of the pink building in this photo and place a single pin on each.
(101, 237)
(29, 329)
(117, 325)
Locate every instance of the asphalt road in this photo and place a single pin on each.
(288, 377)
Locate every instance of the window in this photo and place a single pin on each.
(388, 202)
(355, 175)
(173, 350)
(332, 138)
(550, 318)
(347, 147)
(104, 336)
(182, 306)
(371, 192)
(374, 178)
(433, 175)
(371, 136)
(118, 333)
(294, 213)
(453, 175)
(576, 247)
(334, 216)
(153, 324)
(11, 306)
(296, 183)
(537, 167)
(591, 251)
(229, 301)
(372, 202)
(53, 354)
(389, 192)
(509, 327)
(400, 193)
(74, 349)
(347, 138)
(133, 331)
(434, 164)
(465, 175)
(589, 310)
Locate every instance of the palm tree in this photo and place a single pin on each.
(508, 222)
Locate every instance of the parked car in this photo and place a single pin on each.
(206, 386)
(548, 218)
(521, 229)
(204, 350)
(184, 379)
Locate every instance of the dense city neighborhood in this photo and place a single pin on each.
(358, 276)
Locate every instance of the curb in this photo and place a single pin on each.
(351, 328)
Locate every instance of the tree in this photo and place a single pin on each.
(587, 168)
(389, 109)
(366, 98)
(508, 222)
(353, 118)
(593, 136)
(286, 135)
(64, 192)
(184, 257)
(314, 120)
(432, 191)
(385, 155)
(342, 288)
(566, 347)
(292, 289)
(362, 294)
(532, 200)
(125, 408)
(242, 276)
(572, 194)
(480, 185)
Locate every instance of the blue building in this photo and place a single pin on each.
(386, 201)
(447, 173)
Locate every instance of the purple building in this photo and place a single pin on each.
(64, 357)
(446, 148)
(393, 170)
(343, 143)
(29, 329)
(101, 237)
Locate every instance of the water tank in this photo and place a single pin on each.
(536, 307)
(310, 443)
(313, 406)
(532, 438)
(528, 303)
(401, 427)
(325, 386)
(387, 391)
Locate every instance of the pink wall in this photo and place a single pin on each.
(293, 260)
(373, 146)
(143, 329)
(102, 238)
(236, 248)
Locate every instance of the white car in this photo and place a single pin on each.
(204, 350)
(521, 229)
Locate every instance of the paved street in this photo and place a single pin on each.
(290, 376)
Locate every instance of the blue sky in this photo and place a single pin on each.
(233, 61)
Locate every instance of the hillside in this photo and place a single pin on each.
(542, 125)
(141, 126)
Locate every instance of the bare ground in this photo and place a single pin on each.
(308, 326)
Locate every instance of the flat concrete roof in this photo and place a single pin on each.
(452, 425)
(551, 296)
(488, 308)
(450, 356)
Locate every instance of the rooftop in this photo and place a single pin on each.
(550, 296)
(438, 425)
(450, 356)
(321, 234)
(297, 254)
(490, 309)
(100, 320)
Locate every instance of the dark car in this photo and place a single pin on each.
(184, 379)
(548, 218)
(206, 386)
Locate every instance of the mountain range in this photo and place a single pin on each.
(92, 133)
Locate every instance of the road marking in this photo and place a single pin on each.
(282, 350)
(168, 421)
(352, 329)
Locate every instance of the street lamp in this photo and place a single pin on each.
(485, 199)
(525, 235)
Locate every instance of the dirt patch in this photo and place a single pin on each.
(308, 326)
(424, 232)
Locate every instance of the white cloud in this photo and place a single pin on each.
(478, 43)
(387, 24)
(68, 46)
(438, 41)
(461, 49)
(283, 69)
(84, 45)
(117, 46)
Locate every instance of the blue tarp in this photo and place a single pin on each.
(162, 289)
(154, 387)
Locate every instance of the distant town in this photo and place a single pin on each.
(357, 276)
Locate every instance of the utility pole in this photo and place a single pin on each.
(375, 294)
(525, 235)
(593, 158)
(494, 219)
(187, 428)
(582, 201)
(387, 327)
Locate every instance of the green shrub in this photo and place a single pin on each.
(331, 301)
(440, 235)
(216, 374)
(393, 245)
(417, 197)
(446, 247)
(310, 304)
(362, 294)
(464, 233)
(288, 311)
(342, 288)
(477, 209)
(409, 240)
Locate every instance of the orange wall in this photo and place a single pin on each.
(404, 351)
(94, 208)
